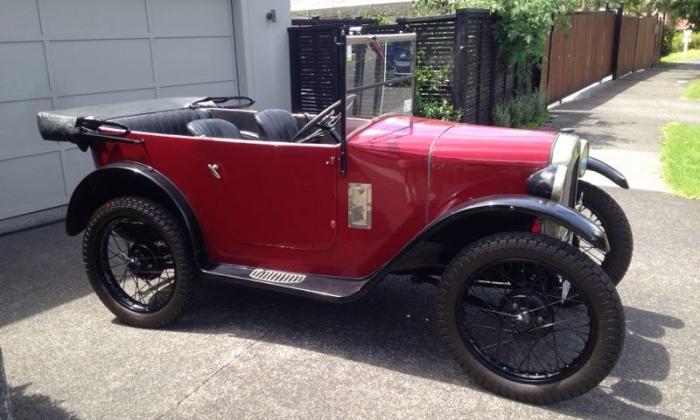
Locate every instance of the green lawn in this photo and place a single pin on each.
(677, 57)
(680, 154)
(693, 91)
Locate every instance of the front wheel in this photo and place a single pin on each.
(601, 209)
(530, 317)
(138, 261)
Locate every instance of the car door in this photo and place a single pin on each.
(271, 194)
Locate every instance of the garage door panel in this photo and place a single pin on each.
(19, 132)
(94, 66)
(31, 183)
(203, 89)
(23, 72)
(207, 59)
(76, 164)
(19, 20)
(104, 98)
(69, 53)
(186, 17)
(94, 18)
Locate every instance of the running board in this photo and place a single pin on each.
(334, 289)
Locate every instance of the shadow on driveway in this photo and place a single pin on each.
(392, 328)
(36, 406)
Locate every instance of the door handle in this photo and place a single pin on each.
(214, 170)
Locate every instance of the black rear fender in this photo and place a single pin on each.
(134, 179)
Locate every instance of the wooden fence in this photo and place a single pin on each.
(640, 43)
(597, 45)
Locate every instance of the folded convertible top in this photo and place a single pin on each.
(60, 125)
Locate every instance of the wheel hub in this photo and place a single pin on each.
(530, 313)
(143, 262)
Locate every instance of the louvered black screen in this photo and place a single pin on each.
(313, 61)
(435, 47)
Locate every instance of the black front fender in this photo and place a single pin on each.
(534, 206)
(499, 211)
(519, 204)
(607, 171)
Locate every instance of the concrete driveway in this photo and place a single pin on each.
(241, 353)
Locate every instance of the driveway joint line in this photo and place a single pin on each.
(210, 377)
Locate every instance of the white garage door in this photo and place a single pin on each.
(66, 53)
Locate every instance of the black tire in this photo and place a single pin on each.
(600, 208)
(589, 283)
(169, 296)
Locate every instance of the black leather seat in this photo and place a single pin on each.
(167, 122)
(276, 124)
(214, 127)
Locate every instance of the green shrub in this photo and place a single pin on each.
(667, 40)
(501, 115)
(433, 78)
(523, 111)
(438, 109)
(677, 41)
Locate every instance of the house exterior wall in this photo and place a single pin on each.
(263, 51)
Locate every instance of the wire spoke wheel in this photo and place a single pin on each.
(138, 266)
(530, 317)
(587, 248)
(518, 317)
(138, 261)
(601, 209)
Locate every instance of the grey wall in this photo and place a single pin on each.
(263, 52)
(66, 53)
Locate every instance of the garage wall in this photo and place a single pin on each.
(263, 51)
(67, 53)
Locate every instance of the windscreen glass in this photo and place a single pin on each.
(380, 78)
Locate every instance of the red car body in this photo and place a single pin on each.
(325, 206)
(282, 206)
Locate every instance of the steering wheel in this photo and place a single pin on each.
(327, 120)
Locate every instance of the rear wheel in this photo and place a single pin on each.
(138, 261)
(530, 317)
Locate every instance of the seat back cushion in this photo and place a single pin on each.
(167, 122)
(276, 124)
(214, 127)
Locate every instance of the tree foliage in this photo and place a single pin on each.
(523, 29)
(685, 9)
(676, 9)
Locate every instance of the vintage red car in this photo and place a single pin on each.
(525, 256)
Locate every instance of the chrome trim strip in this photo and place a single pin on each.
(430, 171)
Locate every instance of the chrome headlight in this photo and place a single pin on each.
(584, 151)
(566, 152)
(558, 181)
